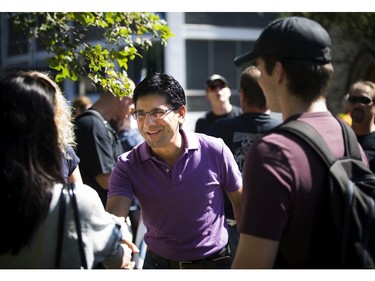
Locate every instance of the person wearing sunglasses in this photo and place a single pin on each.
(360, 101)
(179, 179)
(218, 94)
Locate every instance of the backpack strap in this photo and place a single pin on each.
(95, 113)
(315, 140)
(111, 132)
(91, 111)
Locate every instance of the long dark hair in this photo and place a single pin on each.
(30, 157)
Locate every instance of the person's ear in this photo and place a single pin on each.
(279, 71)
(181, 111)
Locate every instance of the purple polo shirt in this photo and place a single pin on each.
(183, 206)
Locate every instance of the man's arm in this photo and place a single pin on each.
(255, 252)
(119, 206)
(103, 180)
(235, 198)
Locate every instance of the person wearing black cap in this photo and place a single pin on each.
(283, 177)
(218, 94)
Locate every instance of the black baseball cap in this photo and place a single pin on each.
(215, 77)
(292, 38)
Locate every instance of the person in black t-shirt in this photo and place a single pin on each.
(361, 107)
(98, 143)
(218, 94)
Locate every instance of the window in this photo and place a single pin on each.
(231, 19)
(204, 58)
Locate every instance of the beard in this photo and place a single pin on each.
(358, 115)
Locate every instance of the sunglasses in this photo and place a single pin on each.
(214, 86)
(361, 100)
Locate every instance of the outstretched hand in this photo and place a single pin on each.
(129, 249)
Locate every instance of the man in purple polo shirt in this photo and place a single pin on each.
(179, 179)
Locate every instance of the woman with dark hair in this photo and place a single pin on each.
(31, 183)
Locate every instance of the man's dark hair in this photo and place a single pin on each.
(307, 80)
(163, 85)
(249, 84)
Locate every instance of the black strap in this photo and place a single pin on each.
(111, 132)
(60, 235)
(72, 193)
(315, 140)
(60, 227)
(95, 113)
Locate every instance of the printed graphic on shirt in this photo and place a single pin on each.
(242, 142)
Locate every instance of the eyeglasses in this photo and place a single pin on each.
(156, 114)
(363, 100)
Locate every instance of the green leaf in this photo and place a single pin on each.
(68, 38)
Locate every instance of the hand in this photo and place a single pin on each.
(127, 262)
(134, 249)
(129, 249)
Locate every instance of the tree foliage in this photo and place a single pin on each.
(354, 26)
(103, 58)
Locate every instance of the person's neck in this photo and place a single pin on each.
(103, 108)
(221, 108)
(248, 108)
(295, 106)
